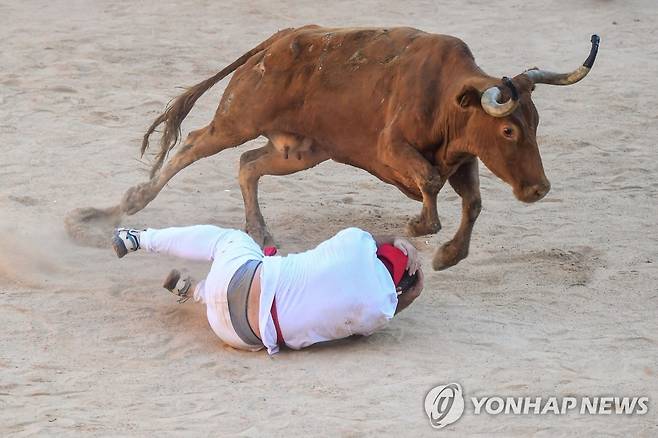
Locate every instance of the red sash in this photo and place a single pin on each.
(279, 336)
(270, 251)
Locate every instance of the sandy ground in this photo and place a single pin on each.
(557, 298)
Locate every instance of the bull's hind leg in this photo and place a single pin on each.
(268, 161)
(199, 144)
(466, 182)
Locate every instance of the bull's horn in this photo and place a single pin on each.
(490, 102)
(546, 77)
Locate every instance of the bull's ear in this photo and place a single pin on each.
(468, 97)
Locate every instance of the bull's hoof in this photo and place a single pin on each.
(261, 235)
(137, 197)
(420, 227)
(449, 254)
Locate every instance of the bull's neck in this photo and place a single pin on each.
(450, 148)
(449, 156)
(450, 119)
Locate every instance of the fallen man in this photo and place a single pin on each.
(350, 284)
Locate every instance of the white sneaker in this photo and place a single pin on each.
(125, 240)
(181, 284)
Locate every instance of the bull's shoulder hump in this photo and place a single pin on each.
(314, 28)
(350, 35)
(444, 43)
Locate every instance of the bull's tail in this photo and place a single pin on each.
(179, 108)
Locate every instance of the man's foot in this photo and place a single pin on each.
(125, 240)
(181, 284)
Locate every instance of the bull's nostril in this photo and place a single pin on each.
(541, 190)
(535, 192)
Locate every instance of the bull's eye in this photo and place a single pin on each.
(508, 132)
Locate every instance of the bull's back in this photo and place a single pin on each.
(332, 82)
(313, 60)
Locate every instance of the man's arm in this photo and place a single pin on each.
(413, 261)
(381, 240)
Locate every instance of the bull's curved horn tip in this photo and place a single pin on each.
(596, 40)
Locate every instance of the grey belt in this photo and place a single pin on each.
(238, 297)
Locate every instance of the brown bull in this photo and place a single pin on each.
(409, 107)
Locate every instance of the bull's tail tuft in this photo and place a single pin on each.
(180, 107)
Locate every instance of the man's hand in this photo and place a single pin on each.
(406, 298)
(417, 288)
(413, 258)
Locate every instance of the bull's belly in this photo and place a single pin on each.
(386, 174)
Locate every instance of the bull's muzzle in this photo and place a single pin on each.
(532, 193)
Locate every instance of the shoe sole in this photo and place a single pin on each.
(172, 280)
(119, 247)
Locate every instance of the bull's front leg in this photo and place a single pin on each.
(427, 222)
(417, 178)
(466, 182)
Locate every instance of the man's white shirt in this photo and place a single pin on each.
(338, 289)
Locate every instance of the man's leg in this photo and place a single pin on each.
(197, 242)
